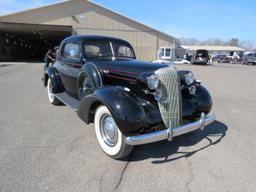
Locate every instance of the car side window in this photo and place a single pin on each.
(71, 52)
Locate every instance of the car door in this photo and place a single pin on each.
(71, 64)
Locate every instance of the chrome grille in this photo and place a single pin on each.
(170, 103)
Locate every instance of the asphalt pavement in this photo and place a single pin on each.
(48, 148)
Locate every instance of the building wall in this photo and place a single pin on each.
(48, 13)
(88, 18)
(146, 43)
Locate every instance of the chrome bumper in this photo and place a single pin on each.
(171, 132)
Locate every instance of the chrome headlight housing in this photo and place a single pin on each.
(152, 82)
(158, 94)
(192, 89)
(189, 78)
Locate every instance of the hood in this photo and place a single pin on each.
(129, 66)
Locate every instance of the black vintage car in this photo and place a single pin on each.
(130, 102)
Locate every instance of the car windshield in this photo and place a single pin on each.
(98, 49)
(123, 50)
(201, 53)
(103, 49)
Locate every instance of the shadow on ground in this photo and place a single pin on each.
(225, 65)
(162, 151)
(4, 65)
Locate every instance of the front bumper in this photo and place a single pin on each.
(170, 133)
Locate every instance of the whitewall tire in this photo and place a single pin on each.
(110, 138)
(52, 98)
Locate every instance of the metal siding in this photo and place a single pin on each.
(98, 21)
(52, 12)
(62, 21)
(145, 43)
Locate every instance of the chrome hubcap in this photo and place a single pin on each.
(108, 130)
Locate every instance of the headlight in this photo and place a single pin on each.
(189, 78)
(153, 82)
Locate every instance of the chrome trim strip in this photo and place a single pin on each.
(171, 132)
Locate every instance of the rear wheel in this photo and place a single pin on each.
(110, 138)
(52, 98)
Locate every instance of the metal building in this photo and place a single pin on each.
(31, 32)
(213, 49)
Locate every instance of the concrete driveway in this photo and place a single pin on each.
(48, 148)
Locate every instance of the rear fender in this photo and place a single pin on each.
(126, 109)
(91, 71)
(52, 73)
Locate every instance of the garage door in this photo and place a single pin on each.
(29, 42)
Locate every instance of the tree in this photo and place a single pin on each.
(215, 42)
(249, 45)
(189, 41)
(234, 42)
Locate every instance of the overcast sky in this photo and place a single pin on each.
(201, 19)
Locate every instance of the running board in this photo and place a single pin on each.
(68, 100)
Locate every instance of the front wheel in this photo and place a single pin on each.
(110, 138)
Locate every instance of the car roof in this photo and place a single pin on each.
(84, 38)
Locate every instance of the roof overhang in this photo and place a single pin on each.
(34, 31)
(83, 6)
(213, 48)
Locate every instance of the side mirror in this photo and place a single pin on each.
(83, 60)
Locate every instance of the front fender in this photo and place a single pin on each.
(192, 107)
(53, 74)
(204, 100)
(126, 109)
